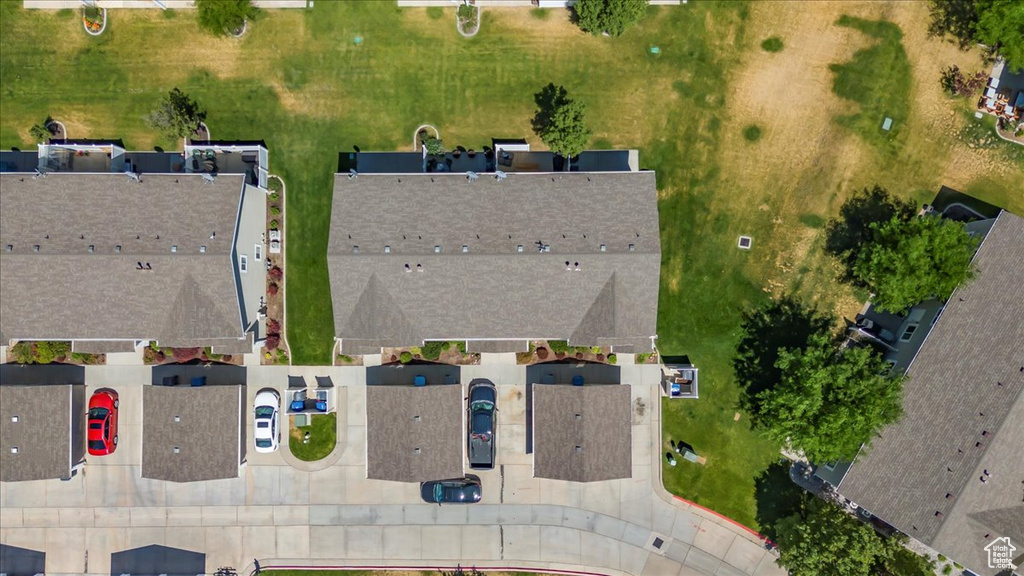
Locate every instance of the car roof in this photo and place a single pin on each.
(266, 397)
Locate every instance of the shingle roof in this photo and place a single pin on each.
(187, 295)
(597, 419)
(42, 434)
(404, 419)
(963, 411)
(209, 433)
(490, 290)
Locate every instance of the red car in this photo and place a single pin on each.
(103, 422)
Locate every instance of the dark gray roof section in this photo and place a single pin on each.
(963, 391)
(582, 433)
(497, 346)
(204, 423)
(467, 279)
(78, 221)
(44, 433)
(414, 433)
(102, 346)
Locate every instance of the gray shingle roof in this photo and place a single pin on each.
(209, 433)
(490, 290)
(188, 295)
(963, 391)
(43, 433)
(402, 419)
(603, 432)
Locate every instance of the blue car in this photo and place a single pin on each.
(482, 398)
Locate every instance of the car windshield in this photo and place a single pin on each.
(97, 413)
(96, 445)
(264, 411)
(263, 443)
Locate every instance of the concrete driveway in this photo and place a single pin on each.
(335, 516)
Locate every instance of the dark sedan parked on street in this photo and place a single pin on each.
(455, 491)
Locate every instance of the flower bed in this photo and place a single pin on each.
(94, 20)
(154, 355)
(440, 352)
(51, 352)
(546, 351)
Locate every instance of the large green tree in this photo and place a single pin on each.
(611, 16)
(847, 235)
(222, 17)
(829, 402)
(909, 261)
(823, 540)
(1001, 25)
(560, 121)
(995, 23)
(177, 115)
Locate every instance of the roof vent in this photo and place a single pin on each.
(437, 249)
(416, 418)
(92, 248)
(352, 174)
(387, 249)
(519, 248)
(465, 249)
(117, 249)
(632, 247)
(604, 248)
(472, 176)
(14, 449)
(415, 450)
(355, 249)
(35, 248)
(10, 248)
(135, 176)
(14, 418)
(202, 249)
(499, 175)
(579, 449)
(578, 416)
(174, 248)
(177, 450)
(177, 418)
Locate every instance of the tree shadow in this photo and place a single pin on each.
(845, 236)
(781, 324)
(777, 497)
(549, 99)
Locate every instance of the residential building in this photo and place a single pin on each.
(948, 474)
(195, 428)
(496, 249)
(42, 422)
(113, 249)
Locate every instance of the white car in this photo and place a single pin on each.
(268, 421)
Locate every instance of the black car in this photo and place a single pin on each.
(482, 396)
(455, 491)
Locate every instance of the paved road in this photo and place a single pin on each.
(335, 516)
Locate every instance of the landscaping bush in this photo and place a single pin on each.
(345, 359)
(274, 224)
(542, 353)
(274, 184)
(273, 341)
(273, 326)
(41, 132)
(595, 349)
(461, 345)
(600, 357)
(221, 17)
(406, 357)
(160, 356)
(642, 358)
(773, 44)
(432, 350)
(611, 16)
(446, 346)
(185, 354)
(22, 353)
(177, 115)
(612, 359)
(558, 346)
(47, 352)
(272, 289)
(275, 210)
(276, 273)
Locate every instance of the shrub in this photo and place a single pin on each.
(612, 359)
(276, 273)
(273, 326)
(595, 349)
(273, 341)
(642, 358)
(160, 356)
(773, 44)
(461, 345)
(177, 115)
(579, 355)
(272, 289)
(220, 17)
(184, 354)
(600, 357)
(432, 350)
(23, 353)
(275, 210)
(445, 346)
(282, 358)
(542, 353)
(558, 346)
(752, 133)
(611, 16)
(274, 224)
(47, 352)
(406, 357)
(226, 358)
(345, 359)
(41, 132)
(947, 569)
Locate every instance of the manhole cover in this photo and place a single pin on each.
(658, 542)
(745, 242)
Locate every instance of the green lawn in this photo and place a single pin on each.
(323, 434)
(300, 81)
